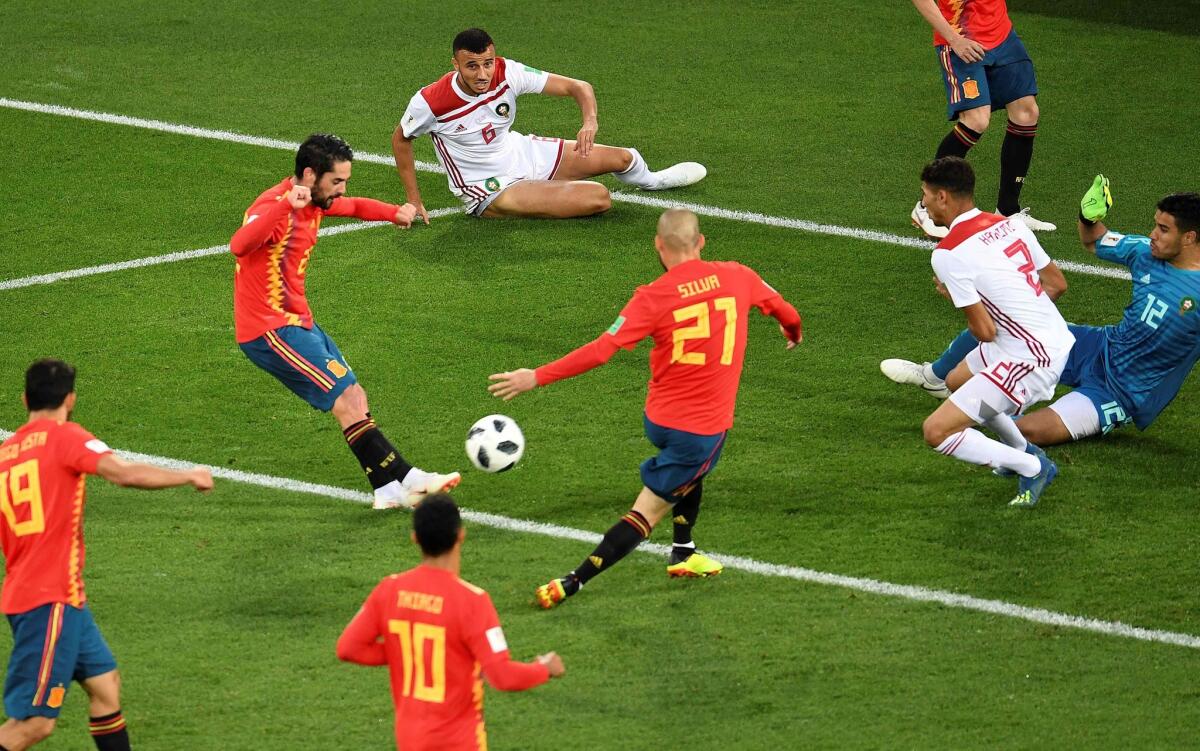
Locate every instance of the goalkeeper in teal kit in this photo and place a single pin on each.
(1129, 371)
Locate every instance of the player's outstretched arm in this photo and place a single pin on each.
(967, 49)
(591, 355)
(585, 97)
(510, 675)
(1093, 207)
(149, 477)
(406, 167)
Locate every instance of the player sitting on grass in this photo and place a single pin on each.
(1124, 372)
(496, 171)
(697, 313)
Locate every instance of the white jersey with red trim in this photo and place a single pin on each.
(471, 133)
(992, 259)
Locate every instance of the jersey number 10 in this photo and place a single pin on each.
(422, 681)
(702, 330)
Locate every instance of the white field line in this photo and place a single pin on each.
(635, 198)
(181, 255)
(748, 565)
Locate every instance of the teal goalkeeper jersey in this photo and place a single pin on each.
(1152, 350)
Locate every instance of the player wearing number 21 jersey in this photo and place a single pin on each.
(697, 314)
(440, 637)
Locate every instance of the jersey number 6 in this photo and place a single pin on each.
(702, 330)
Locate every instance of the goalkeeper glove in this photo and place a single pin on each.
(1096, 202)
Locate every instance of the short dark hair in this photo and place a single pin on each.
(1185, 207)
(47, 383)
(952, 174)
(436, 522)
(320, 151)
(472, 40)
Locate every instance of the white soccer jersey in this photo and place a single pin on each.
(991, 259)
(471, 133)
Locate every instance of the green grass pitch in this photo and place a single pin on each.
(223, 610)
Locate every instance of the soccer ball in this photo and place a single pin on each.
(495, 443)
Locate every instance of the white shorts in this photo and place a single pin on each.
(1001, 384)
(1079, 414)
(535, 158)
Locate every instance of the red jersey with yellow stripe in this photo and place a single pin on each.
(439, 634)
(983, 21)
(42, 472)
(273, 248)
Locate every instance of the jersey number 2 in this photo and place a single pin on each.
(702, 330)
(424, 679)
(1028, 268)
(20, 485)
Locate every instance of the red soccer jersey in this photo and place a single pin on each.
(439, 634)
(697, 315)
(272, 248)
(42, 473)
(984, 21)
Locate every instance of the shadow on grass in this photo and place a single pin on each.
(1172, 16)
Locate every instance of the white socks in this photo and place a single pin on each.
(1005, 427)
(638, 173)
(972, 446)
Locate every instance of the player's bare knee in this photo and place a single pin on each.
(598, 199)
(935, 433)
(37, 729)
(624, 160)
(976, 119)
(1024, 112)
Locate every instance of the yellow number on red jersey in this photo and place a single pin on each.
(701, 329)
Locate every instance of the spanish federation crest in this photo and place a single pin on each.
(970, 89)
(1187, 305)
(502, 109)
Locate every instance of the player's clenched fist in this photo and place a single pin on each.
(405, 215)
(553, 663)
(299, 196)
(201, 479)
(508, 385)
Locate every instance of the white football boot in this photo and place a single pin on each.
(922, 221)
(917, 374)
(1037, 225)
(678, 175)
(417, 484)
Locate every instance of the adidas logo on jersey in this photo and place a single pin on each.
(460, 128)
